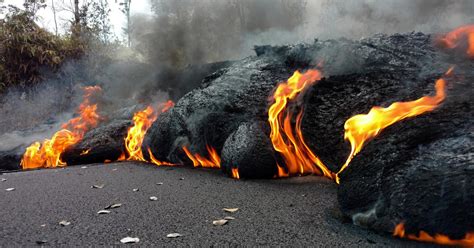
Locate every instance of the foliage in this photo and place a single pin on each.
(26, 50)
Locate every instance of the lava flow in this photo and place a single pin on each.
(460, 37)
(299, 159)
(48, 153)
(361, 128)
(142, 121)
(467, 241)
(214, 161)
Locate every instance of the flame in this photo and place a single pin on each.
(235, 173)
(142, 121)
(85, 152)
(467, 241)
(361, 128)
(48, 153)
(299, 159)
(455, 38)
(214, 161)
(282, 172)
(156, 161)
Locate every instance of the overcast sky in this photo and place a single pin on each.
(116, 16)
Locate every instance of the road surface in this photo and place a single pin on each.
(286, 212)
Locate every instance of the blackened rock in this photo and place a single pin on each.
(100, 144)
(10, 159)
(250, 150)
(418, 171)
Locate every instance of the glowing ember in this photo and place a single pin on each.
(142, 121)
(214, 161)
(361, 128)
(48, 153)
(235, 173)
(288, 140)
(459, 37)
(423, 236)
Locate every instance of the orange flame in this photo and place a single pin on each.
(235, 173)
(455, 38)
(361, 128)
(214, 161)
(282, 172)
(142, 121)
(298, 158)
(48, 153)
(467, 241)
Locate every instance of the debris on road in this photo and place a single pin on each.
(173, 235)
(230, 210)
(104, 212)
(10, 189)
(229, 218)
(160, 183)
(64, 223)
(219, 222)
(117, 205)
(98, 186)
(129, 240)
(153, 198)
(3, 180)
(136, 190)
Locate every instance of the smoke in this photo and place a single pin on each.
(202, 31)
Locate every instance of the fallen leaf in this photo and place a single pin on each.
(117, 205)
(98, 186)
(41, 242)
(128, 240)
(153, 198)
(219, 222)
(10, 189)
(230, 210)
(229, 218)
(159, 183)
(135, 190)
(173, 235)
(64, 223)
(104, 212)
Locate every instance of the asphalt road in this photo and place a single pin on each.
(286, 212)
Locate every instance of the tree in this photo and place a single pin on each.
(125, 8)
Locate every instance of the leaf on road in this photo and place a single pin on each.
(230, 210)
(219, 222)
(104, 212)
(129, 240)
(117, 205)
(153, 198)
(10, 189)
(98, 186)
(173, 235)
(64, 223)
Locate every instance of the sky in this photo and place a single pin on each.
(116, 16)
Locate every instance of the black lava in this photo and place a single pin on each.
(250, 150)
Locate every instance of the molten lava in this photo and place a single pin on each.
(48, 153)
(142, 121)
(361, 128)
(288, 140)
(235, 173)
(214, 161)
(460, 37)
(467, 241)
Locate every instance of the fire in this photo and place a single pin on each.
(214, 161)
(156, 161)
(48, 153)
(282, 172)
(361, 128)
(142, 121)
(235, 173)
(459, 35)
(298, 158)
(467, 241)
